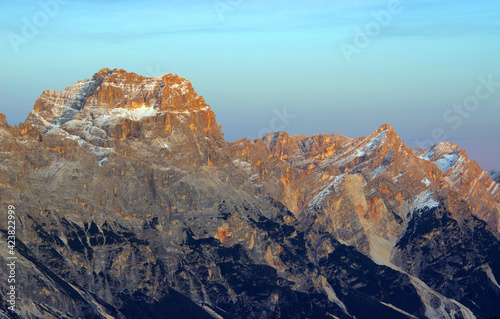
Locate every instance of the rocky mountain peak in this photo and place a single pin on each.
(466, 177)
(120, 91)
(103, 73)
(116, 105)
(115, 93)
(389, 133)
(385, 127)
(438, 150)
(3, 121)
(168, 92)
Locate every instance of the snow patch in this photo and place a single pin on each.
(398, 310)
(72, 137)
(426, 181)
(133, 89)
(424, 200)
(212, 312)
(353, 150)
(427, 155)
(134, 114)
(474, 185)
(162, 143)
(495, 189)
(165, 145)
(46, 123)
(332, 297)
(491, 187)
(247, 167)
(447, 308)
(371, 192)
(378, 169)
(318, 199)
(396, 178)
(491, 277)
(99, 151)
(102, 161)
(372, 144)
(183, 88)
(446, 162)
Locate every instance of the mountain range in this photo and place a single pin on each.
(130, 203)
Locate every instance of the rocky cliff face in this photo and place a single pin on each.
(130, 204)
(465, 177)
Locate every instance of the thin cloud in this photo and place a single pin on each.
(441, 30)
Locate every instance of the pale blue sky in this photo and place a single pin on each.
(251, 59)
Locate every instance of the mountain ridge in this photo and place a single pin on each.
(132, 204)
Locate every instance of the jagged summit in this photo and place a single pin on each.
(385, 127)
(338, 153)
(115, 105)
(3, 121)
(115, 93)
